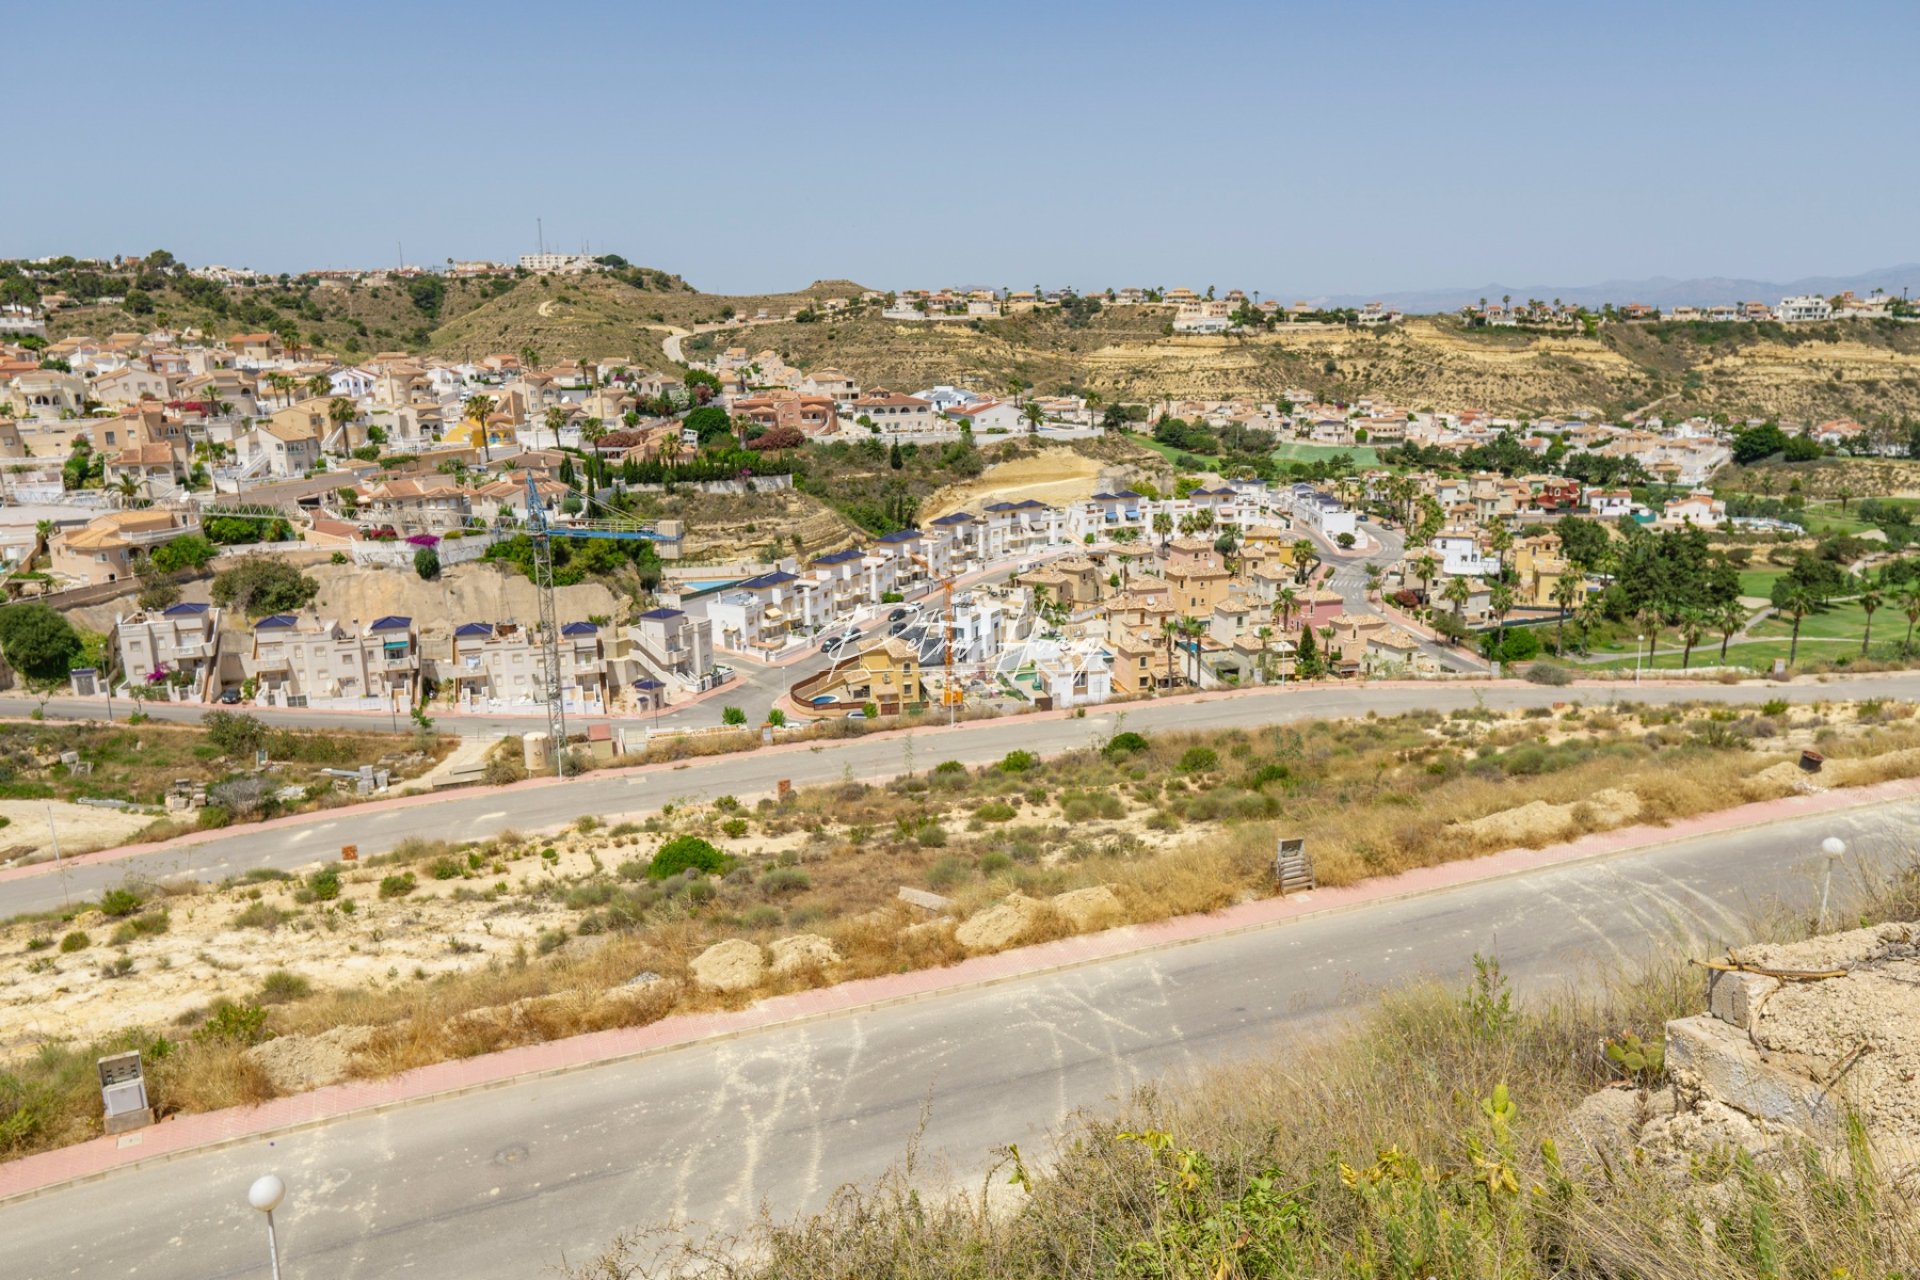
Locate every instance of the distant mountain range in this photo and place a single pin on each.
(1658, 291)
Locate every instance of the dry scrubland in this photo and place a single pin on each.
(1439, 1139)
(1811, 372)
(137, 763)
(273, 984)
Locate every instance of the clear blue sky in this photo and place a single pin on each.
(1295, 148)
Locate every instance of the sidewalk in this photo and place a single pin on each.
(176, 1137)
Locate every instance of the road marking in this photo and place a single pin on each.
(489, 817)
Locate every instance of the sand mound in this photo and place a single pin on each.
(298, 1063)
(463, 593)
(1087, 908)
(733, 965)
(802, 951)
(1539, 822)
(1000, 925)
(1052, 475)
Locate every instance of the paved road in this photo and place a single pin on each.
(613, 795)
(501, 1182)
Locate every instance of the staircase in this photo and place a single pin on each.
(1293, 868)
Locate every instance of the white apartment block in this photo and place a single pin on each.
(556, 263)
(157, 649)
(303, 660)
(500, 664)
(1806, 307)
(672, 646)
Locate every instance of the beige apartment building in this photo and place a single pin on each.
(303, 660)
(170, 652)
(499, 664)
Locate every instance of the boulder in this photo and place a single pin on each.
(802, 951)
(733, 965)
(1000, 925)
(1085, 909)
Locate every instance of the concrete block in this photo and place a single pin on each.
(128, 1121)
(1733, 997)
(1709, 1058)
(926, 901)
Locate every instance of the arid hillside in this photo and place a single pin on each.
(1860, 370)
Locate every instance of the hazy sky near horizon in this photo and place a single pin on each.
(1300, 149)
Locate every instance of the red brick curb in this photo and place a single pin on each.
(176, 1137)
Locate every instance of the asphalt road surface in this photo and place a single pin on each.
(613, 795)
(503, 1182)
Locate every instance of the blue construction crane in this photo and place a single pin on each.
(542, 535)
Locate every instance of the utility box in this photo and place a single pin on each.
(1292, 868)
(123, 1091)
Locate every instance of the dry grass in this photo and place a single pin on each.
(1365, 1153)
(1184, 824)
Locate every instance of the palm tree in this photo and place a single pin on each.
(1650, 620)
(529, 357)
(556, 419)
(1163, 525)
(592, 430)
(1457, 593)
(1728, 619)
(1305, 556)
(1910, 606)
(1374, 577)
(1167, 628)
(1567, 590)
(479, 408)
(1797, 602)
(1033, 415)
(341, 411)
(1500, 602)
(1426, 566)
(1869, 601)
(128, 487)
(1693, 624)
(319, 384)
(1285, 601)
(1502, 540)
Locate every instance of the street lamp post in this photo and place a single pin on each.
(1636, 657)
(1835, 848)
(265, 1194)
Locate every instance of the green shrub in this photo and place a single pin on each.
(260, 915)
(948, 872)
(734, 827)
(116, 903)
(632, 869)
(1272, 771)
(214, 816)
(995, 811)
(1548, 674)
(75, 941)
(444, 868)
(992, 863)
(1199, 760)
(325, 883)
(687, 853)
(397, 886)
(732, 715)
(1124, 744)
(234, 1023)
(281, 987)
(784, 880)
(1018, 761)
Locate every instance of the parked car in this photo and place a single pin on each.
(896, 628)
(856, 714)
(229, 697)
(896, 615)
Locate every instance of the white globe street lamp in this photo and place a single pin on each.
(1835, 848)
(265, 1194)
